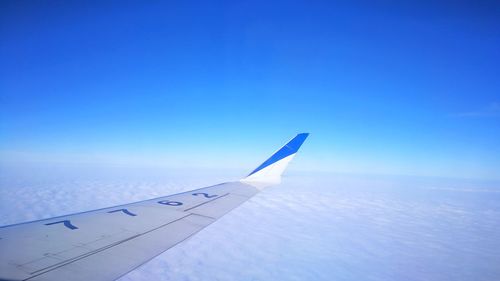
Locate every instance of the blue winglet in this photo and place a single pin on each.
(288, 149)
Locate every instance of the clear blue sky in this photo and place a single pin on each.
(398, 87)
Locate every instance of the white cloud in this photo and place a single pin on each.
(492, 110)
(312, 227)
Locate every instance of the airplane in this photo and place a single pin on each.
(107, 243)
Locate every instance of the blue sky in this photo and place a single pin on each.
(386, 87)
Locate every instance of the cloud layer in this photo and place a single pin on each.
(312, 227)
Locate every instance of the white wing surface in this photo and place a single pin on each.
(107, 243)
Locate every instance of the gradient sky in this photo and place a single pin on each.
(386, 87)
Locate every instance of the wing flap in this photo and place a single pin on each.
(119, 258)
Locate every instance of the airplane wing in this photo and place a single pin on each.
(107, 243)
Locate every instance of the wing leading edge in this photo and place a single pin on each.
(107, 243)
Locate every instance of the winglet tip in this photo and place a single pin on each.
(271, 170)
